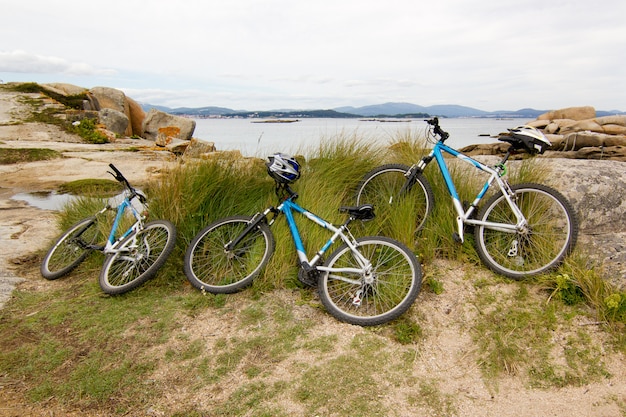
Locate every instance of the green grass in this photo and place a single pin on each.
(10, 156)
(270, 350)
(92, 187)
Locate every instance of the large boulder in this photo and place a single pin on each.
(573, 113)
(112, 98)
(597, 190)
(114, 120)
(157, 124)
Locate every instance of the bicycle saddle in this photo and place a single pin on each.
(364, 212)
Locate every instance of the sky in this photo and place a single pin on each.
(293, 54)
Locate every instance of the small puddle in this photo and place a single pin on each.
(46, 200)
(51, 200)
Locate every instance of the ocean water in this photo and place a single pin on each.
(254, 137)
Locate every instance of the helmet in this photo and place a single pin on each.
(528, 137)
(283, 168)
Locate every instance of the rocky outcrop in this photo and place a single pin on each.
(575, 133)
(122, 116)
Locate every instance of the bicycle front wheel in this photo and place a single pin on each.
(70, 249)
(551, 234)
(382, 293)
(210, 267)
(396, 201)
(138, 257)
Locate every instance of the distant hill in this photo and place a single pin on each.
(378, 110)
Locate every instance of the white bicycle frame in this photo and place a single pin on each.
(495, 174)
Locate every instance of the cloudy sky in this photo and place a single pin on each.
(273, 54)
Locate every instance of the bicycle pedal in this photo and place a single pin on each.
(456, 237)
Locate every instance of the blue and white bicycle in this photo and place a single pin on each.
(365, 281)
(133, 255)
(522, 230)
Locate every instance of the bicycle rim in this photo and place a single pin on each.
(139, 259)
(397, 203)
(211, 268)
(70, 249)
(396, 284)
(552, 232)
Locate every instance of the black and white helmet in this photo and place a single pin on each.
(530, 138)
(283, 168)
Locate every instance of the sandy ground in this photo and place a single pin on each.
(24, 229)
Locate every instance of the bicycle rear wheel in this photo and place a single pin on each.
(373, 298)
(70, 249)
(210, 267)
(395, 200)
(139, 257)
(552, 232)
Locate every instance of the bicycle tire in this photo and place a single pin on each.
(383, 187)
(397, 281)
(127, 269)
(552, 236)
(209, 267)
(66, 254)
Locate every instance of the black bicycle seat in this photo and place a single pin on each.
(364, 212)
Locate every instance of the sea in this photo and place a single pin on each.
(262, 137)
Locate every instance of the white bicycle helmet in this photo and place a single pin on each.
(283, 168)
(528, 137)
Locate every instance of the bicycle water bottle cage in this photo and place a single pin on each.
(364, 212)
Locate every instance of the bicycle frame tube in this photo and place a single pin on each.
(463, 216)
(111, 241)
(287, 207)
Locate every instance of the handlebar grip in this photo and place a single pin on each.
(437, 129)
(119, 176)
(117, 171)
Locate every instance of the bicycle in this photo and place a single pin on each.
(131, 258)
(366, 281)
(522, 230)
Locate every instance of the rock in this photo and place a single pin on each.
(614, 153)
(136, 116)
(65, 89)
(581, 125)
(198, 148)
(114, 120)
(156, 119)
(612, 120)
(612, 129)
(178, 146)
(539, 124)
(597, 190)
(111, 98)
(498, 148)
(573, 113)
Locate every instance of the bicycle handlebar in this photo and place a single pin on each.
(121, 178)
(443, 135)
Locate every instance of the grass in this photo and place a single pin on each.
(92, 187)
(10, 156)
(271, 349)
